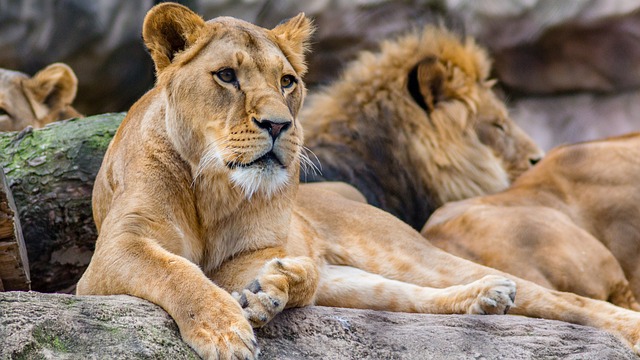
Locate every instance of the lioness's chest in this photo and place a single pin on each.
(250, 226)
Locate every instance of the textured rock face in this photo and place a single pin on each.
(549, 48)
(572, 118)
(572, 67)
(545, 47)
(56, 326)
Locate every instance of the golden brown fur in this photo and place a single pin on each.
(39, 100)
(198, 195)
(570, 223)
(416, 125)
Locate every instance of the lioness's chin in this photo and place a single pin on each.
(267, 180)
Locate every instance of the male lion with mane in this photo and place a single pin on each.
(416, 125)
(198, 197)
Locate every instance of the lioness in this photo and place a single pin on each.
(416, 125)
(39, 100)
(198, 195)
(571, 223)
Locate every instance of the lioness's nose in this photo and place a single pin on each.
(274, 128)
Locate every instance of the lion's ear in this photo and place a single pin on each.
(54, 86)
(426, 83)
(293, 36)
(168, 29)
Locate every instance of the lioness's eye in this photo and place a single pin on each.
(499, 126)
(287, 81)
(227, 75)
(3, 112)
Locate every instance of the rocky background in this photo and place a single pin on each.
(570, 69)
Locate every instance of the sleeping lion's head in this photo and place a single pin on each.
(38, 100)
(417, 124)
(233, 91)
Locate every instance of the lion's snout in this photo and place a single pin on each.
(273, 127)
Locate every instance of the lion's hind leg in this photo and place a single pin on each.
(346, 286)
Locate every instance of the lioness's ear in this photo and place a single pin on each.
(54, 86)
(426, 83)
(293, 36)
(168, 29)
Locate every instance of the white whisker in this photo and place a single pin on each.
(306, 163)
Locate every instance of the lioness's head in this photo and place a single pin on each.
(233, 91)
(37, 100)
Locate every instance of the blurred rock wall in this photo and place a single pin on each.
(571, 69)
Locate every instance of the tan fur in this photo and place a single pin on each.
(179, 224)
(570, 223)
(416, 125)
(37, 101)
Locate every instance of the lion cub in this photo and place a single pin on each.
(198, 197)
(44, 98)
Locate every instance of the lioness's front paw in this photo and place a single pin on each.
(291, 281)
(495, 295)
(234, 342)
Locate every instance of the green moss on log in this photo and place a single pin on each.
(51, 172)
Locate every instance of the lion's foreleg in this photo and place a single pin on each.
(210, 320)
(345, 286)
(267, 281)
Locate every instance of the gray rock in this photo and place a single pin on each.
(56, 326)
(573, 67)
(580, 117)
(548, 46)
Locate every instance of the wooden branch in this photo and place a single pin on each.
(51, 172)
(14, 265)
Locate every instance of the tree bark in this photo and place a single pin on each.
(14, 266)
(51, 173)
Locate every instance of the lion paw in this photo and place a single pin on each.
(260, 306)
(495, 295)
(235, 342)
(282, 282)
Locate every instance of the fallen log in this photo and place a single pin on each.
(57, 326)
(50, 173)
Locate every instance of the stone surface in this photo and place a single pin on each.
(556, 49)
(556, 120)
(572, 68)
(57, 326)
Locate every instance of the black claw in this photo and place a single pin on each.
(276, 303)
(244, 302)
(512, 296)
(506, 309)
(263, 318)
(254, 287)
